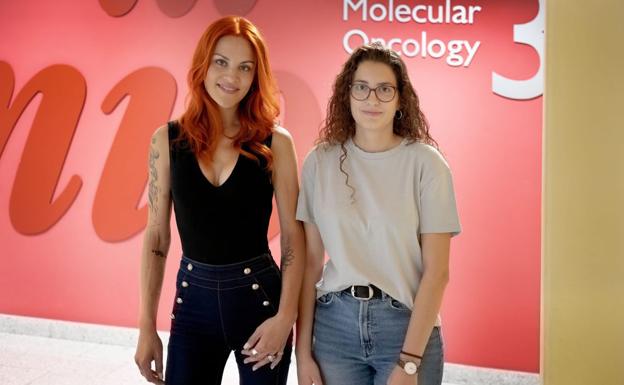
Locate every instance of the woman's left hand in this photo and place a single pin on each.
(399, 377)
(266, 344)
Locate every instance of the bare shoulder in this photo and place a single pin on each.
(159, 147)
(160, 137)
(281, 137)
(282, 142)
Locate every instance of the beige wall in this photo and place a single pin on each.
(583, 194)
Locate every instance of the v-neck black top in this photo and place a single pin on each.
(222, 224)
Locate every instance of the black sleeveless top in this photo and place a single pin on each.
(224, 224)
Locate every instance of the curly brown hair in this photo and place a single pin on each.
(339, 125)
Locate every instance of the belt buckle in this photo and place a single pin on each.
(370, 293)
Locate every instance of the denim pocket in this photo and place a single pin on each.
(181, 276)
(182, 288)
(325, 299)
(268, 285)
(398, 305)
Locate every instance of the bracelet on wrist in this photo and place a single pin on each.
(411, 355)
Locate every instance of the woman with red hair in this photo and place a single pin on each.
(219, 166)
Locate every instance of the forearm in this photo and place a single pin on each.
(427, 302)
(307, 305)
(157, 234)
(153, 261)
(292, 265)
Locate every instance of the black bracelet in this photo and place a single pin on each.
(411, 355)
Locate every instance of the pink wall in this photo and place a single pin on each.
(73, 156)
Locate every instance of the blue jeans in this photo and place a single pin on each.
(216, 309)
(358, 342)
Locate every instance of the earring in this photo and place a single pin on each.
(400, 115)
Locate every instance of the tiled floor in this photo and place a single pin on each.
(35, 360)
(47, 361)
(41, 361)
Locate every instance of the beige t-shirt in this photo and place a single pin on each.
(371, 233)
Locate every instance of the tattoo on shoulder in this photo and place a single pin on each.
(153, 180)
(287, 256)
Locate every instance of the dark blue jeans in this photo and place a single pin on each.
(216, 309)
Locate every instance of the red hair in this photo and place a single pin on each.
(201, 125)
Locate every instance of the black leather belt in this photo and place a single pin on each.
(364, 292)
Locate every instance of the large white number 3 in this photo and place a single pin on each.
(532, 34)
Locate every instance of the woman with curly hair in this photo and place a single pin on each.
(377, 195)
(219, 166)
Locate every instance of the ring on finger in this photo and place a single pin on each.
(271, 357)
(254, 352)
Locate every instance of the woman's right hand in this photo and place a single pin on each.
(150, 348)
(308, 372)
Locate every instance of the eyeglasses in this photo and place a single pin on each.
(385, 92)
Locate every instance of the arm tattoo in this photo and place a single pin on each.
(153, 185)
(287, 255)
(152, 194)
(156, 250)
